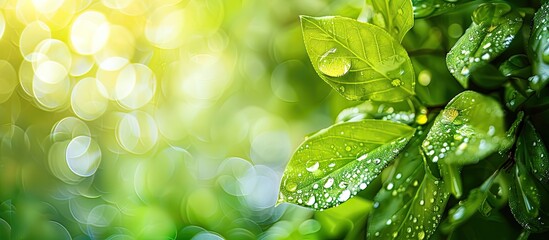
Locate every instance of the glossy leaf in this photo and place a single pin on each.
(359, 60)
(511, 134)
(539, 48)
(451, 175)
(395, 16)
(513, 97)
(527, 198)
(426, 8)
(468, 207)
(412, 201)
(336, 163)
(470, 128)
(494, 27)
(516, 66)
(537, 159)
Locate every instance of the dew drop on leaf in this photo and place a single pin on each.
(311, 201)
(291, 186)
(329, 183)
(421, 235)
(344, 196)
(313, 167)
(396, 82)
(333, 66)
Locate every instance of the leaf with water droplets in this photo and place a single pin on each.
(412, 201)
(403, 112)
(395, 16)
(359, 60)
(336, 163)
(527, 196)
(538, 50)
(537, 159)
(429, 8)
(470, 128)
(517, 66)
(468, 207)
(494, 27)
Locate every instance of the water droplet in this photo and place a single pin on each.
(389, 222)
(311, 201)
(487, 45)
(315, 186)
(377, 161)
(313, 167)
(390, 186)
(449, 115)
(291, 186)
(348, 148)
(396, 82)
(332, 65)
(398, 176)
(421, 202)
(415, 183)
(421, 235)
(329, 183)
(465, 71)
(331, 165)
(362, 157)
(362, 186)
(485, 56)
(342, 184)
(344, 196)
(491, 130)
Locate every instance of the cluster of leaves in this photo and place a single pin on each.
(461, 144)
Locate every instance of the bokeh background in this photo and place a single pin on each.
(160, 119)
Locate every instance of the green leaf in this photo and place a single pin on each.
(470, 128)
(467, 208)
(451, 175)
(426, 8)
(516, 66)
(411, 202)
(537, 159)
(539, 48)
(527, 198)
(403, 112)
(336, 163)
(395, 16)
(359, 60)
(494, 27)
